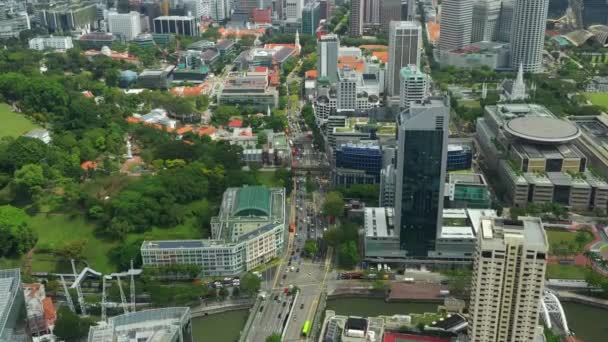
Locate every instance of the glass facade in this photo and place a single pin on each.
(421, 190)
(363, 158)
(459, 159)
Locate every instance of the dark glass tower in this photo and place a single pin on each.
(421, 168)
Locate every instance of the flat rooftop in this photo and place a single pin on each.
(595, 128)
(467, 178)
(379, 222)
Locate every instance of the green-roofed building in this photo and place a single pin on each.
(249, 231)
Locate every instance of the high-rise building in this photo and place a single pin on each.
(414, 86)
(404, 44)
(347, 89)
(387, 186)
(528, 34)
(371, 12)
(410, 10)
(390, 10)
(355, 25)
(311, 16)
(127, 25)
(503, 33)
(456, 22)
(486, 15)
(421, 167)
(508, 280)
(219, 9)
(181, 25)
(327, 56)
(197, 8)
(293, 9)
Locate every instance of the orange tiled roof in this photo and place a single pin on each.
(374, 47)
(351, 62)
(50, 314)
(132, 119)
(197, 90)
(88, 94)
(239, 33)
(433, 29)
(206, 130)
(381, 55)
(183, 130)
(311, 75)
(88, 165)
(235, 123)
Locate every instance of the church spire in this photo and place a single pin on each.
(297, 42)
(519, 87)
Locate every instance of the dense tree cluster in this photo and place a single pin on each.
(16, 237)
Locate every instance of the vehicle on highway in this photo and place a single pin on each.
(276, 297)
(302, 306)
(261, 308)
(284, 276)
(279, 315)
(284, 303)
(306, 328)
(297, 270)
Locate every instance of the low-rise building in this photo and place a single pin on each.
(41, 313)
(249, 231)
(166, 324)
(357, 164)
(460, 157)
(597, 84)
(39, 133)
(494, 55)
(11, 305)
(13, 19)
(593, 141)
(250, 88)
(51, 43)
(468, 191)
(338, 328)
(156, 78)
(388, 184)
(97, 40)
(534, 154)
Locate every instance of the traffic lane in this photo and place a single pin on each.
(300, 313)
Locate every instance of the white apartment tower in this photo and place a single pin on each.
(528, 34)
(327, 56)
(347, 90)
(508, 280)
(404, 44)
(128, 25)
(456, 22)
(414, 86)
(486, 15)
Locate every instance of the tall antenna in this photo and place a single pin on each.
(123, 299)
(132, 290)
(104, 317)
(68, 297)
(83, 309)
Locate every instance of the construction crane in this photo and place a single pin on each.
(83, 309)
(103, 299)
(123, 299)
(132, 290)
(68, 297)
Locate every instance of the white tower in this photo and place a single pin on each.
(456, 22)
(404, 45)
(528, 34)
(297, 42)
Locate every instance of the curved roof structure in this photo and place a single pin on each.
(579, 37)
(542, 129)
(600, 32)
(252, 201)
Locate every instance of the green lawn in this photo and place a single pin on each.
(54, 230)
(565, 272)
(268, 179)
(470, 104)
(557, 236)
(13, 124)
(598, 99)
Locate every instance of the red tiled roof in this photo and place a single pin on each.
(50, 314)
(132, 119)
(184, 130)
(374, 47)
(311, 75)
(235, 123)
(206, 130)
(351, 62)
(381, 55)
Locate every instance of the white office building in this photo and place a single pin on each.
(327, 56)
(387, 186)
(404, 45)
(249, 231)
(347, 90)
(53, 43)
(508, 280)
(219, 10)
(486, 15)
(456, 22)
(528, 34)
(293, 9)
(127, 25)
(414, 86)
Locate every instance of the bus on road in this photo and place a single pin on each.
(306, 328)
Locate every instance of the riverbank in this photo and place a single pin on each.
(566, 296)
(206, 310)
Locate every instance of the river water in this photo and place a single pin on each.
(588, 322)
